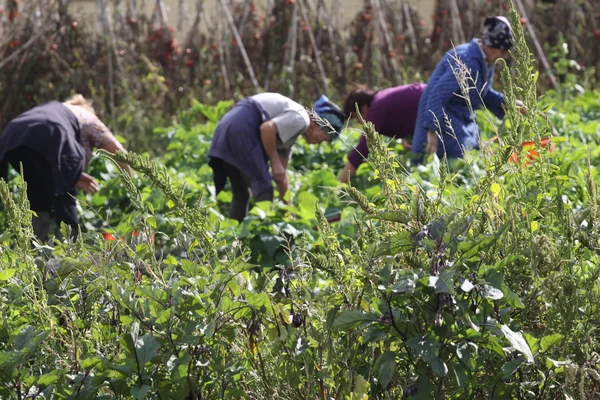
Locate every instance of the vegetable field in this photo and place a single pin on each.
(470, 279)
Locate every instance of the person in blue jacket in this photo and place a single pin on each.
(468, 67)
(259, 130)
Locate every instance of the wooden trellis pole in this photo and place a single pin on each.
(236, 34)
(314, 46)
(388, 42)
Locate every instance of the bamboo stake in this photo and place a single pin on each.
(236, 34)
(329, 23)
(410, 29)
(160, 13)
(223, 66)
(314, 46)
(180, 17)
(458, 34)
(538, 47)
(294, 40)
(388, 42)
(244, 15)
(111, 89)
(133, 8)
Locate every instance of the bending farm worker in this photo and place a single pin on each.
(392, 111)
(54, 143)
(259, 130)
(460, 84)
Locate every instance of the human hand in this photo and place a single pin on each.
(282, 187)
(406, 145)
(522, 107)
(279, 173)
(432, 142)
(88, 184)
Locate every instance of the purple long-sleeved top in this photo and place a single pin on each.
(393, 111)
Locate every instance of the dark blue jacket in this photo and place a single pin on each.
(443, 94)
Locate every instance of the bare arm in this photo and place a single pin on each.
(268, 136)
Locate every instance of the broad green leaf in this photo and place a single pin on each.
(510, 367)
(490, 292)
(495, 189)
(349, 319)
(517, 341)
(424, 347)
(460, 375)
(6, 274)
(535, 225)
(423, 390)
(407, 282)
(140, 392)
(271, 243)
(467, 353)
(47, 379)
(258, 300)
(146, 348)
(548, 341)
(387, 366)
(90, 363)
(532, 341)
(439, 367)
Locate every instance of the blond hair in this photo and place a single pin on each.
(79, 100)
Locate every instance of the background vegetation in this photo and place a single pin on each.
(140, 72)
(476, 278)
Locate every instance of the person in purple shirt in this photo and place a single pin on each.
(392, 111)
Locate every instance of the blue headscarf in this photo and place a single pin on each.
(332, 114)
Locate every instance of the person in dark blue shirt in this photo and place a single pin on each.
(460, 84)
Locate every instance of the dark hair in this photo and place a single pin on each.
(361, 95)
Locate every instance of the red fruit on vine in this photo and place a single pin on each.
(131, 21)
(74, 25)
(597, 15)
(390, 55)
(358, 65)
(188, 51)
(290, 2)
(400, 37)
(207, 82)
(54, 46)
(421, 23)
(523, 21)
(213, 46)
(597, 33)
(108, 236)
(189, 63)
